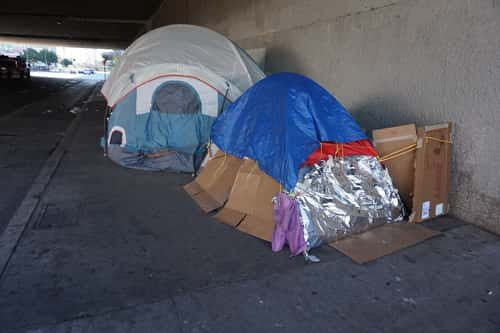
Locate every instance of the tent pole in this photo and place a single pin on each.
(224, 100)
(106, 118)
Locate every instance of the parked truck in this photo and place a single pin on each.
(13, 68)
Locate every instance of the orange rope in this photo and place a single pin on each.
(437, 140)
(399, 152)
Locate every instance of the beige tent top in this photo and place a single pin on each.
(184, 50)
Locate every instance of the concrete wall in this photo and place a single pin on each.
(390, 63)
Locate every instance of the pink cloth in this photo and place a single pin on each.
(288, 228)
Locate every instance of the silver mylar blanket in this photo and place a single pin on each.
(340, 197)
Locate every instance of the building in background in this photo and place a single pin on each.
(60, 58)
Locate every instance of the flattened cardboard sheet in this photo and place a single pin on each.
(251, 196)
(206, 202)
(230, 216)
(432, 172)
(211, 188)
(383, 240)
(260, 228)
(401, 168)
(192, 188)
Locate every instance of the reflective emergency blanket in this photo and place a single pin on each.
(340, 197)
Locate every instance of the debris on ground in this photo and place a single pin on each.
(409, 300)
(75, 110)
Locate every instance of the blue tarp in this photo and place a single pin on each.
(280, 121)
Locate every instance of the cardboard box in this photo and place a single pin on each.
(210, 190)
(419, 166)
(250, 207)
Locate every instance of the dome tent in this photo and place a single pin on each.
(166, 92)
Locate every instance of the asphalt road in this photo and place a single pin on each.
(33, 116)
(17, 93)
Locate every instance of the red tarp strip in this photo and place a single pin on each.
(360, 147)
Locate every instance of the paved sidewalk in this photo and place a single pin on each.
(118, 250)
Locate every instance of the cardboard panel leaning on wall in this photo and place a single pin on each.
(432, 172)
(419, 162)
(402, 167)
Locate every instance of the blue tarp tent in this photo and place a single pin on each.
(280, 121)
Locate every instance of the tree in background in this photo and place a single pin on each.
(108, 56)
(47, 56)
(111, 57)
(66, 62)
(44, 55)
(31, 55)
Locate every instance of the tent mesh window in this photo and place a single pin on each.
(176, 97)
(116, 138)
